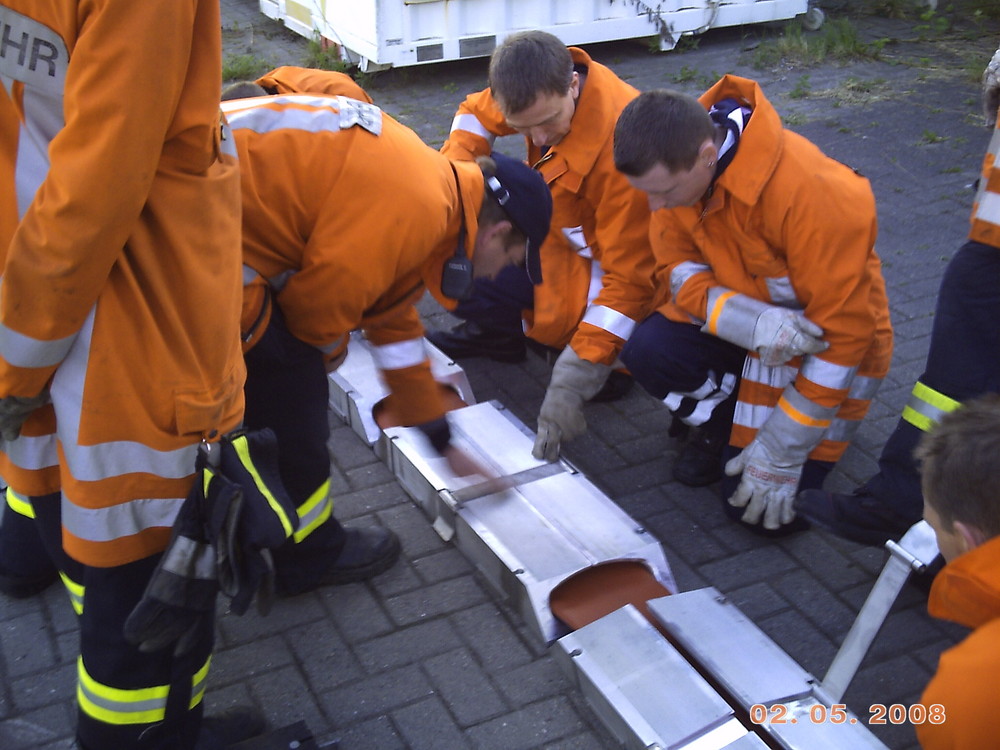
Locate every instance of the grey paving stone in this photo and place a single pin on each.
(465, 687)
(435, 599)
(427, 725)
(529, 727)
(371, 697)
(408, 645)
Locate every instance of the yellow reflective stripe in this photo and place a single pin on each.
(131, 706)
(801, 417)
(19, 504)
(716, 311)
(243, 451)
(314, 511)
(199, 682)
(75, 591)
(927, 406)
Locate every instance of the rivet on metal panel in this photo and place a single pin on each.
(721, 599)
(576, 652)
(519, 572)
(640, 530)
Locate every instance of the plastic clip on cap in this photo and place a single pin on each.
(522, 193)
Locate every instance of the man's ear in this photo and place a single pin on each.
(971, 536)
(708, 154)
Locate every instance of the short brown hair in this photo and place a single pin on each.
(960, 465)
(660, 127)
(527, 64)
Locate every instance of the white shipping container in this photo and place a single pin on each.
(382, 33)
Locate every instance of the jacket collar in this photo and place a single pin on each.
(967, 590)
(760, 146)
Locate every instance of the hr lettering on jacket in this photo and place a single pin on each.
(837, 713)
(31, 52)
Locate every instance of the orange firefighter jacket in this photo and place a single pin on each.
(348, 216)
(121, 273)
(290, 79)
(963, 691)
(786, 225)
(986, 210)
(596, 262)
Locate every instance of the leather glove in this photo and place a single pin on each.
(244, 526)
(781, 334)
(767, 487)
(574, 381)
(991, 90)
(15, 409)
(179, 601)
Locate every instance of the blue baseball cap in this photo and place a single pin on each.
(522, 193)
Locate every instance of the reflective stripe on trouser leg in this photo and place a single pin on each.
(130, 706)
(317, 508)
(123, 693)
(927, 406)
(23, 554)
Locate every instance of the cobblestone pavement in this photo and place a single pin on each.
(425, 656)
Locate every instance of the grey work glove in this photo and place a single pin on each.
(574, 381)
(991, 90)
(14, 410)
(781, 334)
(767, 487)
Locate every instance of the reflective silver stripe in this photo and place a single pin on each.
(111, 459)
(311, 114)
(227, 143)
(793, 433)
(610, 320)
(399, 355)
(864, 388)
(596, 281)
(125, 519)
(577, 241)
(827, 374)
(190, 559)
(927, 406)
(842, 430)
(709, 395)
(684, 271)
(32, 453)
(249, 275)
(988, 208)
(751, 415)
(782, 293)
(24, 351)
(774, 377)
(732, 316)
(471, 124)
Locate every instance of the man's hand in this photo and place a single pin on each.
(574, 381)
(14, 410)
(767, 487)
(781, 334)
(991, 90)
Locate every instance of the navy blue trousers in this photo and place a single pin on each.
(963, 362)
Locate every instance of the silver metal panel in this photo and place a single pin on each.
(356, 387)
(731, 648)
(747, 742)
(641, 687)
(527, 539)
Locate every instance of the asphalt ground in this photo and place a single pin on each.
(426, 656)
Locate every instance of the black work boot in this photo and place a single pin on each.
(860, 517)
(699, 462)
(230, 727)
(364, 554)
(23, 586)
(469, 339)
